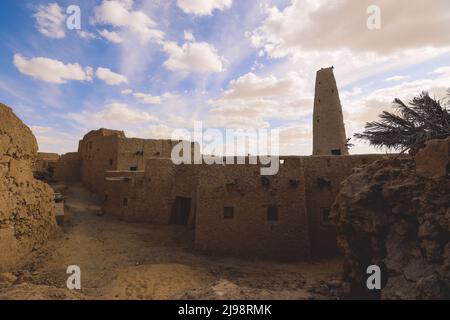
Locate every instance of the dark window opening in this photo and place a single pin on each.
(133, 168)
(106, 197)
(125, 202)
(336, 152)
(326, 217)
(180, 211)
(272, 213)
(110, 162)
(157, 154)
(228, 213)
(91, 144)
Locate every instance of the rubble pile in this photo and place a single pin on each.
(395, 213)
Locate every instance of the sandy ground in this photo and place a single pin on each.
(120, 260)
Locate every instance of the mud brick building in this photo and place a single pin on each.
(232, 209)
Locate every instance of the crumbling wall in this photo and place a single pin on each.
(27, 214)
(150, 195)
(99, 153)
(240, 212)
(122, 196)
(45, 161)
(109, 150)
(323, 177)
(68, 168)
(395, 214)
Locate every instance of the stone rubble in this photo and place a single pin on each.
(389, 215)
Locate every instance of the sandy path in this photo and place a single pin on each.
(120, 260)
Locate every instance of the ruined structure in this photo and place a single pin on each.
(45, 164)
(108, 150)
(329, 136)
(232, 208)
(27, 215)
(395, 214)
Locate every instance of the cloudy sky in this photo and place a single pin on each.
(151, 66)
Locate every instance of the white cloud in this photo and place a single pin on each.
(252, 86)
(111, 78)
(50, 21)
(127, 92)
(52, 71)
(40, 130)
(120, 14)
(396, 78)
(193, 57)
(189, 36)
(111, 36)
(295, 139)
(251, 100)
(147, 98)
(328, 25)
(442, 71)
(203, 7)
(114, 114)
(86, 35)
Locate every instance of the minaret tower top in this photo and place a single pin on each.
(329, 136)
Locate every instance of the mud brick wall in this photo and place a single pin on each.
(27, 212)
(68, 168)
(122, 197)
(45, 161)
(250, 232)
(98, 150)
(324, 175)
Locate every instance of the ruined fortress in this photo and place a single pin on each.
(232, 209)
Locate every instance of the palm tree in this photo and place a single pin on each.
(410, 126)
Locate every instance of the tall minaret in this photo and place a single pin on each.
(328, 128)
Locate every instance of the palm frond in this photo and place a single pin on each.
(409, 126)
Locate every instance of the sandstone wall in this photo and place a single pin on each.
(27, 214)
(68, 168)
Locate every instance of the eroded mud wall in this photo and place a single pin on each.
(27, 214)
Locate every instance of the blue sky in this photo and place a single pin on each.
(149, 67)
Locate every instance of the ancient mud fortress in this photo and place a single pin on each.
(233, 209)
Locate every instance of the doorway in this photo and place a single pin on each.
(181, 211)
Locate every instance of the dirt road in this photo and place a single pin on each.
(121, 260)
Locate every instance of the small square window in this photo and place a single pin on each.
(336, 152)
(133, 168)
(272, 213)
(228, 213)
(125, 202)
